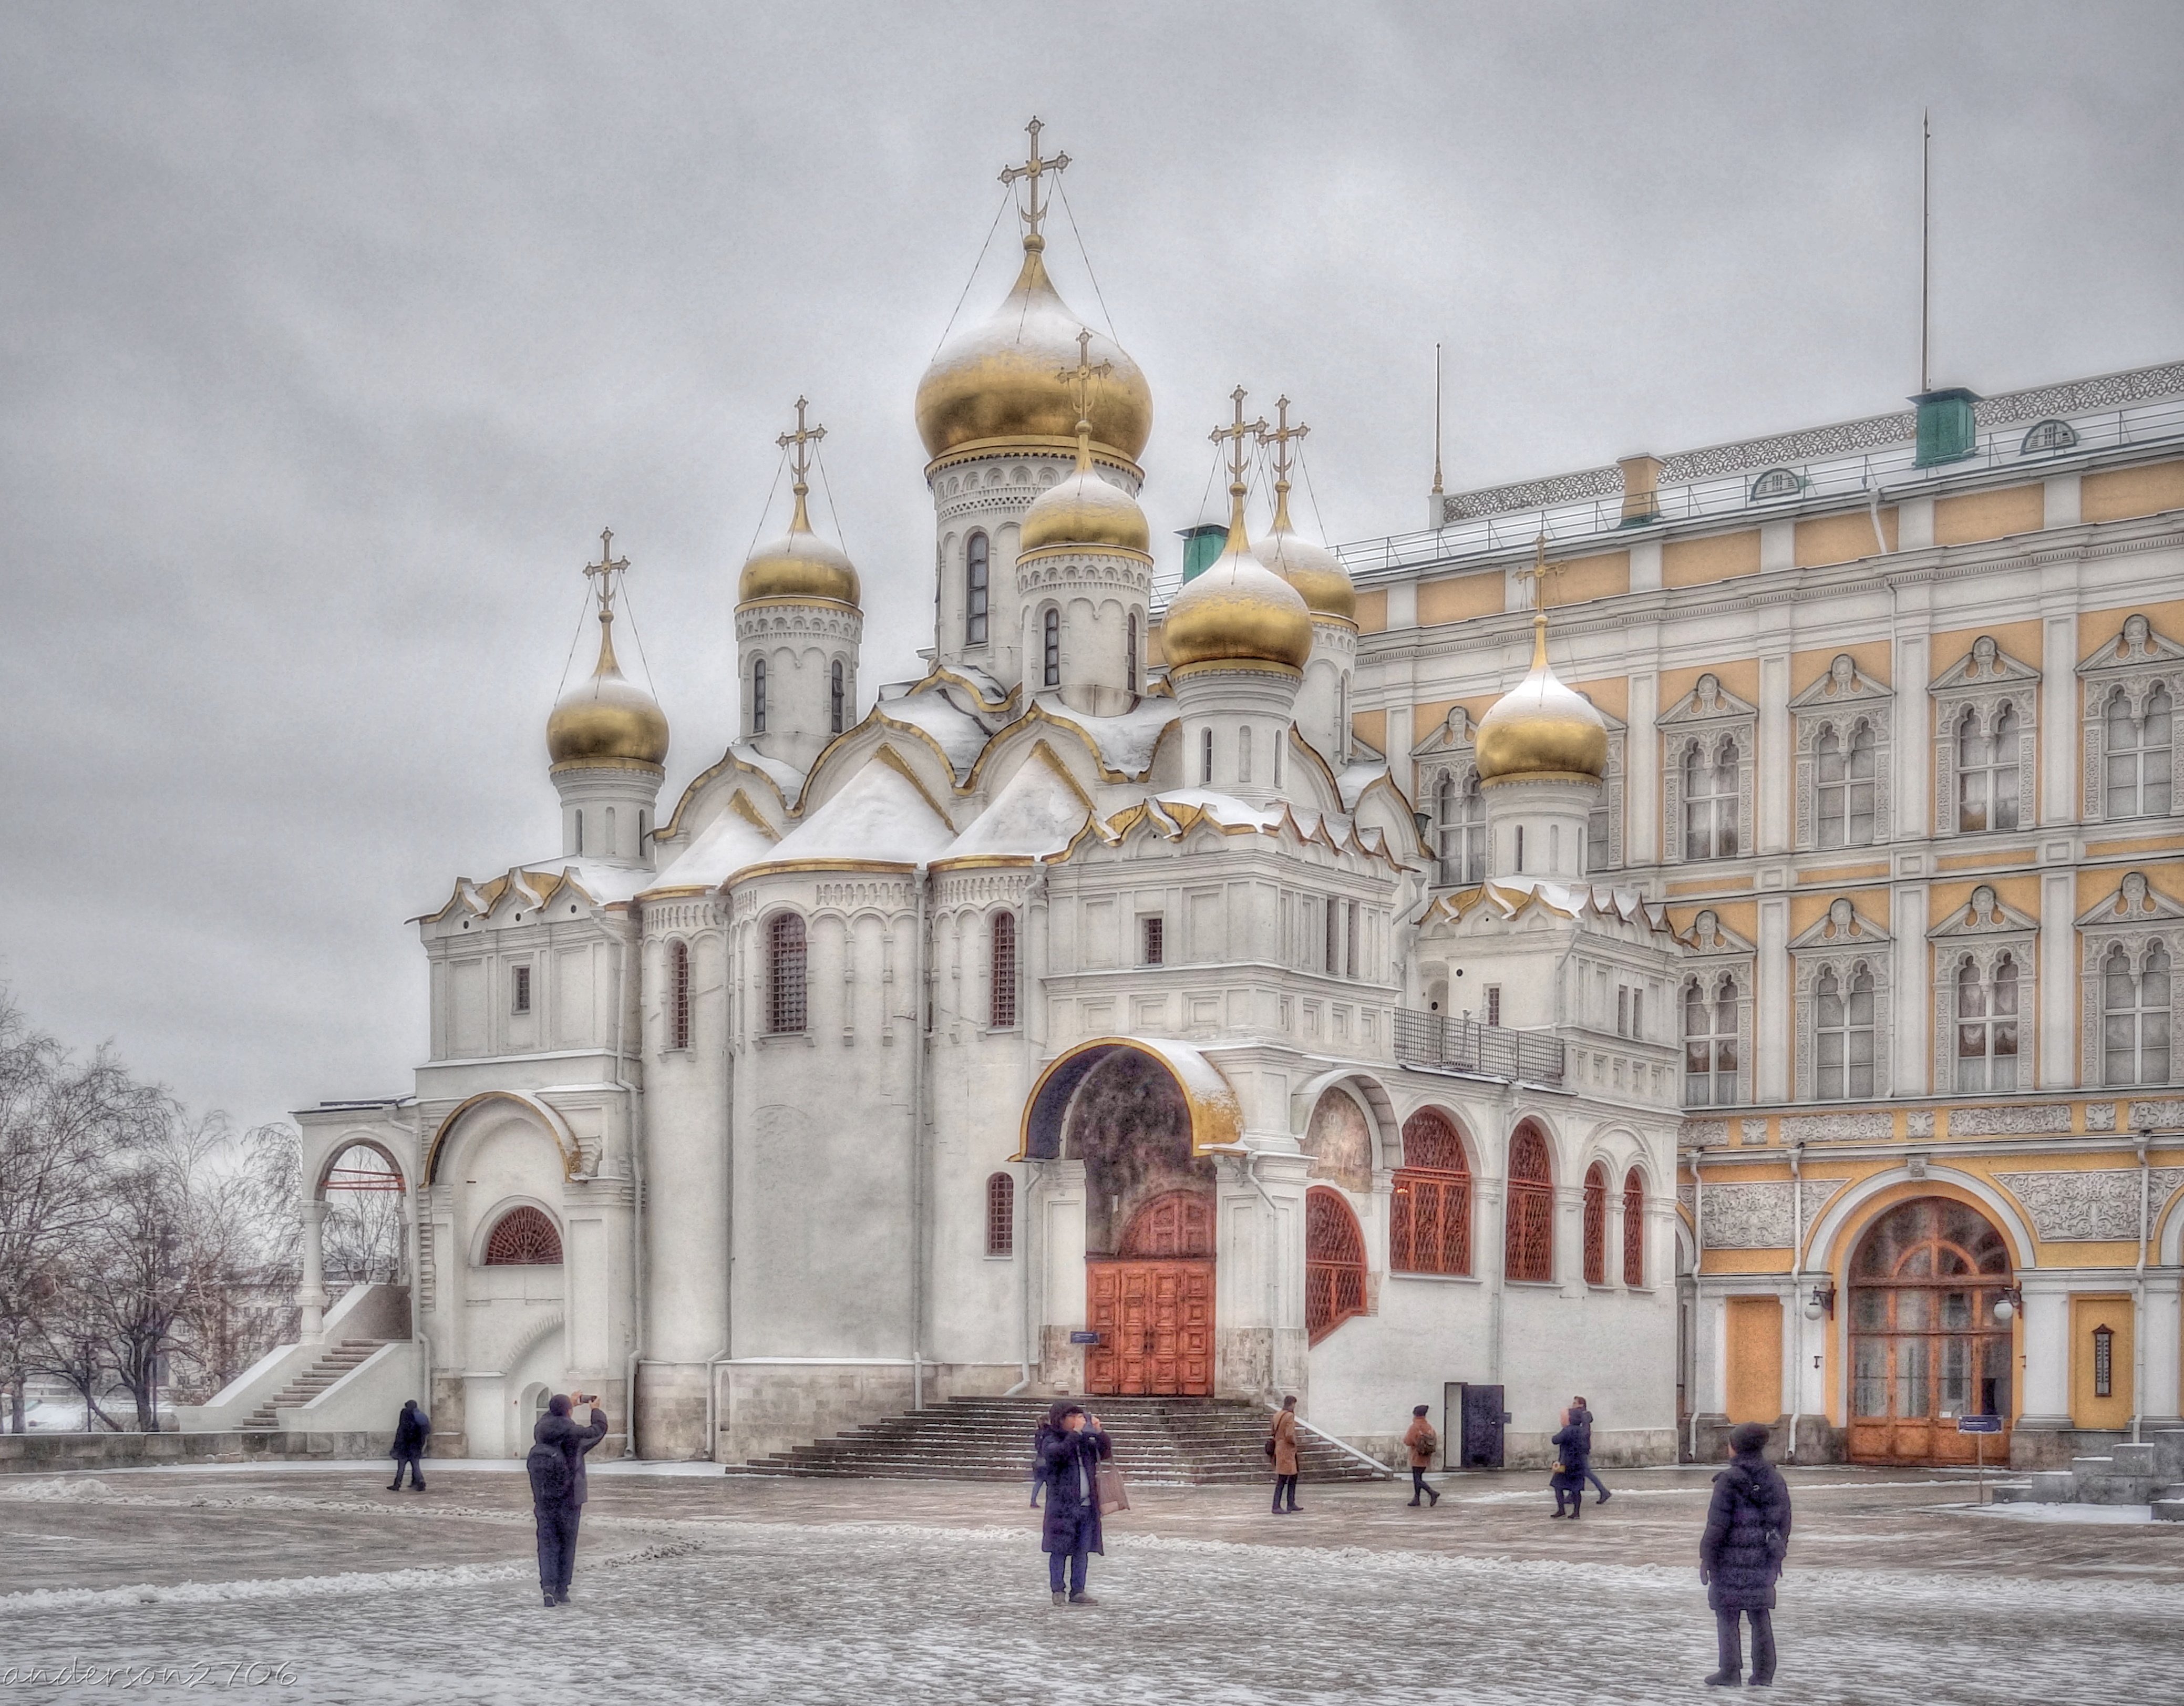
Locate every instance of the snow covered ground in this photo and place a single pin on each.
(689, 1589)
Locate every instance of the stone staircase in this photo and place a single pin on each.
(344, 1356)
(1158, 1443)
(2150, 1473)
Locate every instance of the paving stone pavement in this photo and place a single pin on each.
(168, 1584)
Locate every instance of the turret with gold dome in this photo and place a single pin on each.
(799, 626)
(607, 741)
(1542, 752)
(1322, 709)
(999, 410)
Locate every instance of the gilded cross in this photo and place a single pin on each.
(1032, 169)
(1538, 570)
(803, 438)
(1236, 432)
(608, 567)
(1281, 435)
(1081, 378)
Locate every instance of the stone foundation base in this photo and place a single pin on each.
(762, 1407)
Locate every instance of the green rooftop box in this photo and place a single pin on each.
(1947, 431)
(1202, 544)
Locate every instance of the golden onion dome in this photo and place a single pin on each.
(1005, 379)
(1237, 611)
(1540, 729)
(607, 719)
(799, 565)
(1314, 571)
(1083, 509)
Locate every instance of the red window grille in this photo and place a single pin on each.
(1001, 1215)
(1633, 1229)
(678, 996)
(525, 1238)
(1005, 971)
(1429, 1210)
(1596, 1225)
(1334, 1263)
(785, 1007)
(1179, 1223)
(1528, 1246)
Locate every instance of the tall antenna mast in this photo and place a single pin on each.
(1436, 490)
(1926, 233)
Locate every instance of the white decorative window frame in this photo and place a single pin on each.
(2138, 660)
(1711, 949)
(1611, 791)
(1983, 681)
(1841, 941)
(1450, 751)
(1702, 718)
(1840, 700)
(1983, 930)
(2136, 916)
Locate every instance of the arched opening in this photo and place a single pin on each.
(523, 1238)
(1001, 1215)
(1529, 1222)
(976, 563)
(1595, 1225)
(678, 995)
(362, 1238)
(1050, 648)
(531, 1408)
(1633, 1229)
(1002, 995)
(1430, 1208)
(1926, 1347)
(1333, 1263)
(758, 695)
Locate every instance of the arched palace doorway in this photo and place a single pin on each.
(1926, 1347)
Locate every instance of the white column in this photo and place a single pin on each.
(2047, 1398)
(1912, 810)
(1774, 761)
(1771, 1010)
(2163, 1401)
(2059, 746)
(311, 1295)
(2058, 954)
(1909, 1071)
(1641, 784)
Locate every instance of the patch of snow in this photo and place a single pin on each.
(2083, 1515)
(727, 844)
(1125, 742)
(880, 815)
(1353, 782)
(61, 1489)
(785, 777)
(1038, 814)
(960, 736)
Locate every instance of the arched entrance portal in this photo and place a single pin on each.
(1924, 1346)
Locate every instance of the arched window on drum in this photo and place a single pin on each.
(1430, 1208)
(678, 995)
(1528, 1223)
(1333, 1263)
(523, 1238)
(1595, 1225)
(786, 1006)
(1002, 1014)
(1633, 1229)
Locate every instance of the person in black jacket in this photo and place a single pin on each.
(1581, 1418)
(411, 1430)
(1071, 1446)
(1747, 1532)
(1569, 1478)
(558, 1490)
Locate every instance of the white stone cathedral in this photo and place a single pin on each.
(1081, 1019)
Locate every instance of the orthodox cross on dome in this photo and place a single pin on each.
(1080, 378)
(1032, 169)
(1280, 437)
(602, 574)
(1537, 572)
(1236, 432)
(799, 444)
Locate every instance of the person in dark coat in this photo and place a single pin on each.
(1747, 1532)
(1569, 1478)
(411, 1430)
(1071, 1446)
(1282, 1446)
(1580, 1417)
(1420, 1441)
(557, 1501)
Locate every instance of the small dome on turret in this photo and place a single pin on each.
(1083, 509)
(606, 718)
(799, 565)
(1541, 728)
(1238, 612)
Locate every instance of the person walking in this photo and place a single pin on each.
(1747, 1533)
(412, 1429)
(558, 1489)
(1071, 1446)
(1283, 1443)
(1423, 1442)
(1581, 1417)
(1569, 1478)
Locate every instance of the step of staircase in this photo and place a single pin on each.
(1158, 1442)
(345, 1355)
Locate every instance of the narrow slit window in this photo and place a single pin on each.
(1051, 675)
(837, 698)
(519, 990)
(976, 563)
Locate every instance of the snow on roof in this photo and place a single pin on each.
(960, 736)
(1036, 815)
(1124, 744)
(785, 777)
(880, 816)
(727, 844)
(1513, 894)
(1360, 774)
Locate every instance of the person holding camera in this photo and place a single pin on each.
(1747, 1534)
(558, 1489)
(1071, 1448)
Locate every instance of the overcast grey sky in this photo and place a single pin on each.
(334, 334)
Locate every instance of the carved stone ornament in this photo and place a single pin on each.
(2087, 1206)
(1842, 701)
(2146, 1114)
(2133, 921)
(1919, 1122)
(2023, 1119)
(1761, 1217)
(1838, 1127)
(1703, 1133)
(2100, 1116)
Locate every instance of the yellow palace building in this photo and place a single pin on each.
(1891, 712)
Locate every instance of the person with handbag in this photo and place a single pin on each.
(1568, 1479)
(1282, 1447)
(1072, 1447)
(1423, 1442)
(1747, 1534)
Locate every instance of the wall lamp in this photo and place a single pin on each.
(1821, 1305)
(2010, 1303)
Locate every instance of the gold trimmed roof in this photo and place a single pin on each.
(1003, 380)
(606, 719)
(800, 565)
(1083, 509)
(1542, 729)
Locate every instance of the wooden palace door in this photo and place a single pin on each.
(1152, 1306)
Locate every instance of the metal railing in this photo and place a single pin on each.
(1457, 1043)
